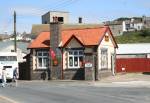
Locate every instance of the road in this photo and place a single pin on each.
(72, 92)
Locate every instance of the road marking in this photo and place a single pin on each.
(7, 99)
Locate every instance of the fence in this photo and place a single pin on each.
(133, 65)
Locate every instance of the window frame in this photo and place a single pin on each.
(43, 57)
(73, 56)
(104, 54)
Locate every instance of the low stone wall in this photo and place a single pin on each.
(39, 75)
(74, 74)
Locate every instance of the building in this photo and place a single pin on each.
(8, 46)
(132, 25)
(50, 16)
(116, 27)
(146, 21)
(137, 50)
(121, 25)
(79, 53)
(22, 37)
(133, 58)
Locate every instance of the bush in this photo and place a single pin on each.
(145, 32)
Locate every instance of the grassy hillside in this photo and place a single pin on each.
(134, 37)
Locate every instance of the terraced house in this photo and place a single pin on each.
(74, 53)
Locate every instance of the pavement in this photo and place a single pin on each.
(126, 80)
(127, 77)
(119, 80)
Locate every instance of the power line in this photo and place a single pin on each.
(57, 5)
(66, 3)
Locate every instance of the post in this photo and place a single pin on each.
(15, 43)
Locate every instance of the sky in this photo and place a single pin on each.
(92, 11)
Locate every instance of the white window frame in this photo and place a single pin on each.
(43, 57)
(104, 59)
(73, 56)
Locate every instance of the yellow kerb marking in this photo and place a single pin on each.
(7, 99)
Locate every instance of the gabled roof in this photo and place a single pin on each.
(41, 41)
(85, 36)
(88, 36)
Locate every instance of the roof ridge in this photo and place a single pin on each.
(84, 28)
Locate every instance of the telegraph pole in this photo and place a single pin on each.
(15, 42)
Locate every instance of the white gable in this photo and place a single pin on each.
(110, 42)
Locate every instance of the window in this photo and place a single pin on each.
(8, 58)
(106, 38)
(60, 19)
(42, 59)
(75, 58)
(104, 59)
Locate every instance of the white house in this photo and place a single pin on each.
(84, 51)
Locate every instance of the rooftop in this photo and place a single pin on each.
(37, 28)
(137, 48)
(86, 36)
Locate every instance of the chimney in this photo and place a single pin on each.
(55, 30)
(80, 20)
(55, 19)
(55, 41)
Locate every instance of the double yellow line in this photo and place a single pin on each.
(6, 99)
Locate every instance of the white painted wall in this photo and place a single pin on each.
(65, 15)
(124, 26)
(138, 26)
(111, 50)
(34, 59)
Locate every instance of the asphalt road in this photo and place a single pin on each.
(72, 92)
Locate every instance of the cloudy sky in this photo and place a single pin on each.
(93, 11)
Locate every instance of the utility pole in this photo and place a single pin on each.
(15, 42)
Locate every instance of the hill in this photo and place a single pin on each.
(142, 36)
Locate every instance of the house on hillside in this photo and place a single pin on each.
(22, 37)
(121, 25)
(80, 54)
(132, 25)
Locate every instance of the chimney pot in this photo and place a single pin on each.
(80, 20)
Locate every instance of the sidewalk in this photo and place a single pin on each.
(126, 77)
(125, 80)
